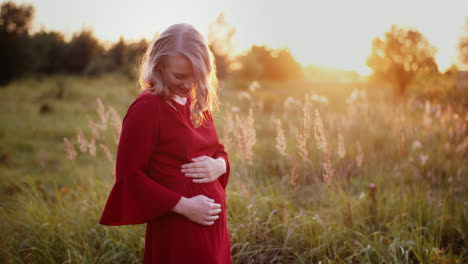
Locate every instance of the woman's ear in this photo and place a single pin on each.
(159, 69)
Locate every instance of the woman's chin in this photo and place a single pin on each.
(184, 94)
(181, 93)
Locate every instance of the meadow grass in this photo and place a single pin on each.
(396, 195)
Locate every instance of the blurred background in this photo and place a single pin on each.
(266, 40)
(345, 123)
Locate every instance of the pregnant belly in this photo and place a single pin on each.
(186, 187)
(174, 237)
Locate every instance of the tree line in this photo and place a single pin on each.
(400, 57)
(47, 52)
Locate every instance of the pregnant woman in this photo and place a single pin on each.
(171, 169)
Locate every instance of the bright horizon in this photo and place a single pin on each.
(335, 34)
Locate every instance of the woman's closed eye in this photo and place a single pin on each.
(180, 76)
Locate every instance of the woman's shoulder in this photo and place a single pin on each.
(146, 95)
(145, 102)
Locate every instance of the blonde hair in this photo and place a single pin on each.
(182, 39)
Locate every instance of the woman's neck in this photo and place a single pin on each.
(180, 100)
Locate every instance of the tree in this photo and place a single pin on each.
(283, 66)
(81, 50)
(263, 63)
(251, 68)
(463, 46)
(48, 51)
(15, 23)
(135, 52)
(118, 53)
(400, 56)
(220, 35)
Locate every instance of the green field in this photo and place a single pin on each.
(394, 190)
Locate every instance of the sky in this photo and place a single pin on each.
(329, 33)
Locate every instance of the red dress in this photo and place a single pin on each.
(156, 140)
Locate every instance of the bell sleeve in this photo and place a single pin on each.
(220, 153)
(135, 198)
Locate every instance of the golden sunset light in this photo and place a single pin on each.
(233, 132)
(335, 34)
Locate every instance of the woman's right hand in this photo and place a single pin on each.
(199, 209)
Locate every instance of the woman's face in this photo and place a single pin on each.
(178, 75)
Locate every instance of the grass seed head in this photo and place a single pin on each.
(116, 123)
(280, 140)
(82, 141)
(70, 149)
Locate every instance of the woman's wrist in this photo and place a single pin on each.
(181, 206)
(222, 165)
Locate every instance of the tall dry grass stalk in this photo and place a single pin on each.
(92, 147)
(103, 115)
(82, 141)
(280, 140)
(294, 181)
(107, 152)
(116, 123)
(70, 149)
(303, 134)
(463, 145)
(427, 116)
(328, 173)
(94, 128)
(85, 145)
(401, 142)
(459, 127)
(306, 116)
(246, 137)
(323, 146)
(359, 154)
(301, 139)
(228, 128)
(341, 145)
(319, 133)
(445, 116)
(242, 186)
(281, 147)
(94, 136)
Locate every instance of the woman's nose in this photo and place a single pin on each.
(188, 84)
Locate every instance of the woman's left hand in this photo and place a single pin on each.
(204, 169)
